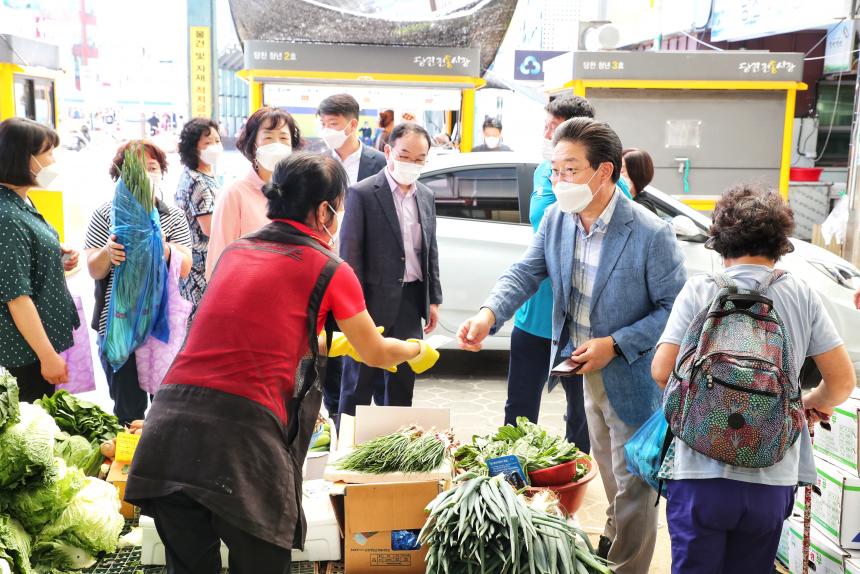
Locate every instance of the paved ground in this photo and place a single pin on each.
(474, 387)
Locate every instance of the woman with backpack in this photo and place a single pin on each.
(731, 352)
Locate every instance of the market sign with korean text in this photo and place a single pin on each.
(201, 71)
(744, 19)
(261, 55)
(695, 66)
(839, 49)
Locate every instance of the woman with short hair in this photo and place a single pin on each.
(195, 196)
(269, 135)
(38, 315)
(725, 518)
(104, 254)
(245, 391)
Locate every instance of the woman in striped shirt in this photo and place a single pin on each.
(103, 253)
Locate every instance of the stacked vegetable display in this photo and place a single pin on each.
(484, 526)
(53, 516)
(408, 450)
(535, 448)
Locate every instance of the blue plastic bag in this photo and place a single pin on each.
(644, 450)
(138, 302)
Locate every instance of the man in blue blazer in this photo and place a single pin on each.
(388, 236)
(615, 270)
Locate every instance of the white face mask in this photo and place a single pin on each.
(334, 138)
(405, 173)
(155, 180)
(212, 154)
(547, 149)
(46, 175)
(492, 142)
(269, 155)
(334, 236)
(574, 197)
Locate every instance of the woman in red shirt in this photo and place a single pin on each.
(229, 429)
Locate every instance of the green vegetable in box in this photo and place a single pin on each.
(408, 450)
(483, 526)
(536, 449)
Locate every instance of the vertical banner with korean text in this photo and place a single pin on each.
(201, 71)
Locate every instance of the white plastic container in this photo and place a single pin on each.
(322, 542)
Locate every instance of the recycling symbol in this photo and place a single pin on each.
(530, 66)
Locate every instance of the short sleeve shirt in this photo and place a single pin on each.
(173, 225)
(31, 264)
(812, 333)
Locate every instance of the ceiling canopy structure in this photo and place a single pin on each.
(476, 24)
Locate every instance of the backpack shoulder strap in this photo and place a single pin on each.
(772, 278)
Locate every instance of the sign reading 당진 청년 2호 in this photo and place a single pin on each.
(260, 55)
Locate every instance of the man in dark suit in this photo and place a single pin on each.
(339, 129)
(388, 236)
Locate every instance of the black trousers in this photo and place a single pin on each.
(129, 400)
(192, 537)
(31, 384)
(361, 383)
(528, 371)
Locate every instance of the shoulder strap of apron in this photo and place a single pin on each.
(285, 233)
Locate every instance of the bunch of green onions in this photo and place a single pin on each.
(133, 173)
(408, 450)
(482, 526)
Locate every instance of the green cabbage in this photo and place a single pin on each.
(9, 413)
(27, 449)
(14, 547)
(91, 522)
(36, 506)
(59, 557)
(78, 451)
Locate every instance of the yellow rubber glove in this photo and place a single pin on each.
(425, 359)
(340, 347)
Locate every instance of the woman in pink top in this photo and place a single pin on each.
(269, 136)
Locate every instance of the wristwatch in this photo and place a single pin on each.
(615, 347)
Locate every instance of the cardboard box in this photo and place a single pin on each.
(372, 422)
(836, 505)
(852, 565)
(373, 520)
(824, 556)
(118, 476)
(841, 444)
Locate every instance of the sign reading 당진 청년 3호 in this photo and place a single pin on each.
(260, 55)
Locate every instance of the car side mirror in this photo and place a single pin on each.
(684, 227)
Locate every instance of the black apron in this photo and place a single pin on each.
(231, 454)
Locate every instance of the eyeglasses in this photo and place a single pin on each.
(566, 174)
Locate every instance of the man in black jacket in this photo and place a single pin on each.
(339, 129)
(388, 236)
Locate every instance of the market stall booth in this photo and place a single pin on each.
(28, 77)
(708, 119)
(435, 86)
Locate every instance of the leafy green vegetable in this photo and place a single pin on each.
(91, 522)
(36, 506)
(14, 546)
(27, 449)
(58, 557)
(9, 413)
(133, 173)
(78, 451)
(531, 443)
(407, 450)
(483, 526)
(79, 417)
